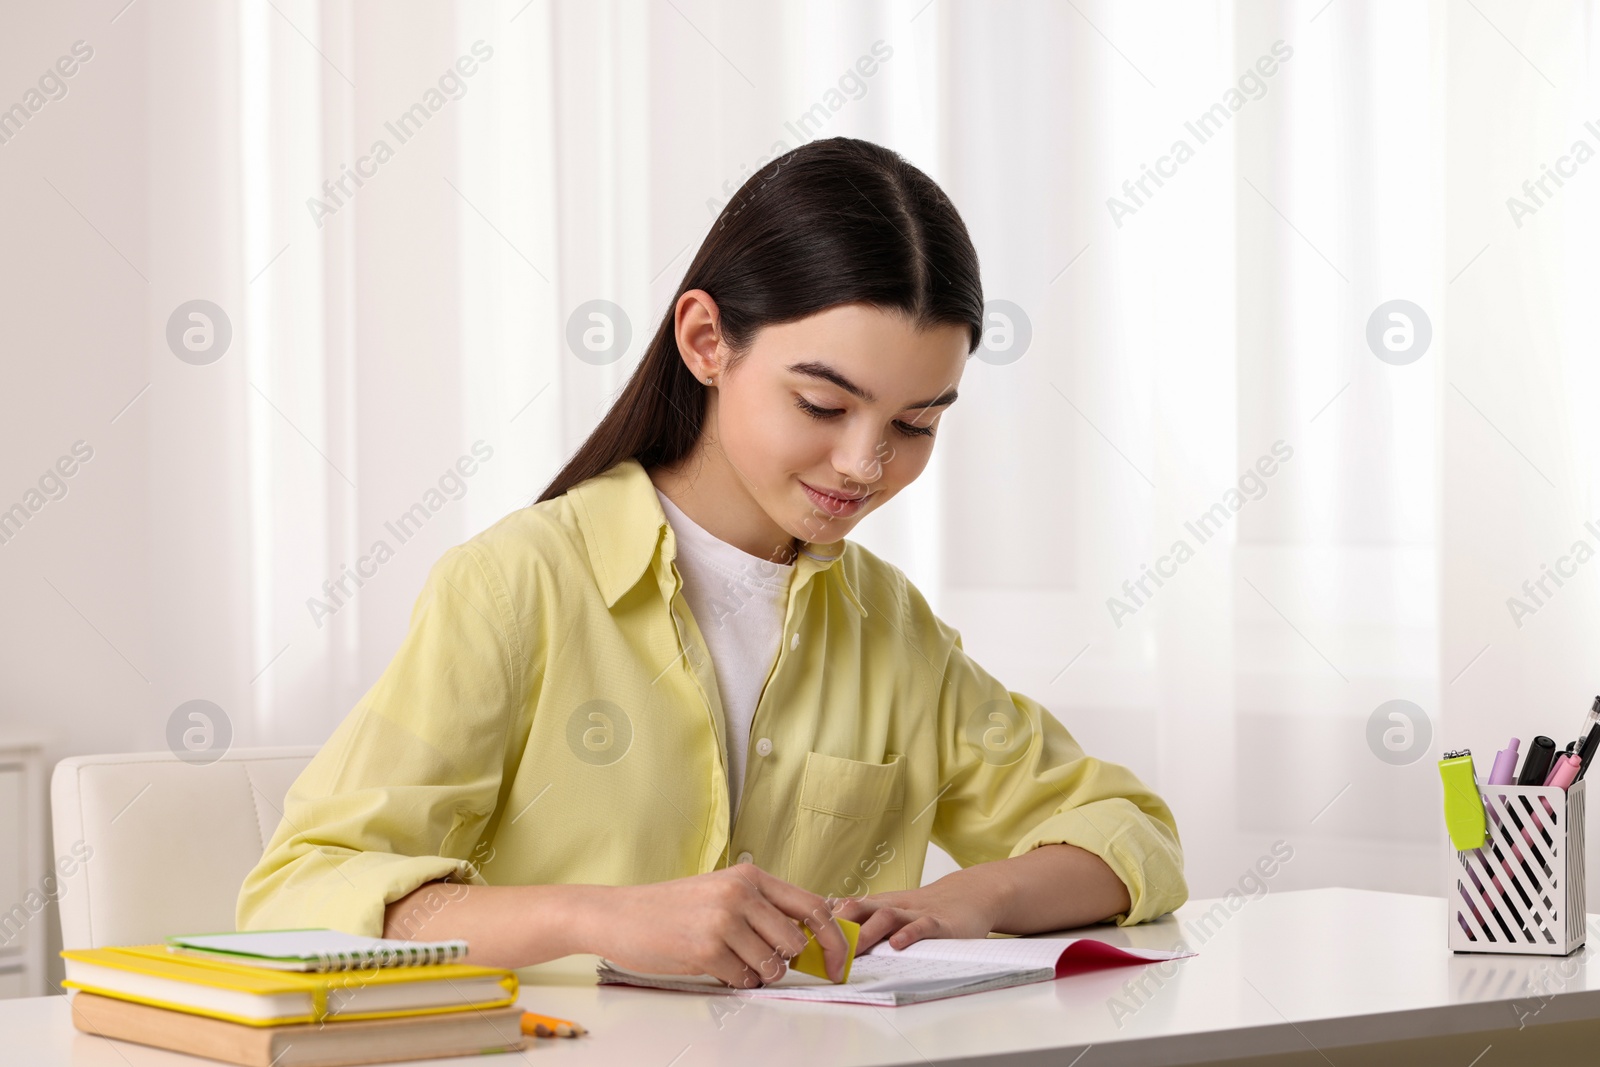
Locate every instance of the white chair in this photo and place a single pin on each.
(168, 842)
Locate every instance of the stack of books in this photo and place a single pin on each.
(296, 998)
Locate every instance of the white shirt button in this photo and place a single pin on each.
(745, 857)
(764, 747)
(794, 642)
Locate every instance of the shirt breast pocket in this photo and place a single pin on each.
(848, 834)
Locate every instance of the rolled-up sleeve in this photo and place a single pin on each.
(402, 791)
(1013, 778)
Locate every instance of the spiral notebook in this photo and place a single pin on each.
(317, 950)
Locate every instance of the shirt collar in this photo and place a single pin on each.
(624, 525)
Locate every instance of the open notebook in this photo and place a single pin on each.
(924, 970)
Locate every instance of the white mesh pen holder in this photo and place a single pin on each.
(1523, 891)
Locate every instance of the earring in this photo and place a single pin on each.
(708, 379)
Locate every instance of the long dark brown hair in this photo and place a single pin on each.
(835, 221)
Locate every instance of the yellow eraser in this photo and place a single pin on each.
(810, 960)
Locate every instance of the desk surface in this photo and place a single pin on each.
(1290, 971)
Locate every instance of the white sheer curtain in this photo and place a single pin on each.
(385, 330)
(1518, 486)
(1170, 347)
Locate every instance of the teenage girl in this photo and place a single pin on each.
(667, 713)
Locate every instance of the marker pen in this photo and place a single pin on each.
(1483, 893)
(1591, 718)
(1586, 750)
(1505, 763)
(1564, 773)
(1536, 768)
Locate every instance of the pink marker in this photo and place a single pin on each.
(1565, 770)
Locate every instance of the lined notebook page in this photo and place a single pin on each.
(926, 970)
(877, 973)
(999, 953)
(1017, 953)
(907, 972)
(873, 980)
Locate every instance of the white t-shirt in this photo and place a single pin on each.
(738, 601)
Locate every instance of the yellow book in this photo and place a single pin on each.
(256, 996)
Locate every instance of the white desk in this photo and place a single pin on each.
(1312, 973)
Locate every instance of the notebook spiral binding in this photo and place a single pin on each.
(400, 956)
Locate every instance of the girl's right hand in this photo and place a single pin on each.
(736, 924)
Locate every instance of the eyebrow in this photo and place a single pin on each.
(828, 374)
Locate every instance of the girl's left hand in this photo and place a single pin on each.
(957, 905)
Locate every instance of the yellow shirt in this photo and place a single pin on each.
(552, 717)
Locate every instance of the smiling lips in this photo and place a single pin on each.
(837, 506)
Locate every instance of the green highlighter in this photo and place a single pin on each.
(1463, 806)
(810, 960)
